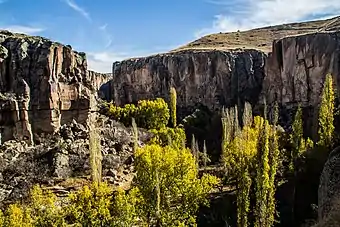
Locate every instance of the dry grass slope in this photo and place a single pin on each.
(260, 38)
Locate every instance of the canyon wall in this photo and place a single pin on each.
(211, 78)
(43, 85)
(296, 70)
(293, 73)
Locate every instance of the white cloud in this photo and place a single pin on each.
(23, 29)
(257, 13)
(106, 35)
(103, 27)
(77, 8)
(102, 61)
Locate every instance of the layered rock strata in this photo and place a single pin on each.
(43, 85)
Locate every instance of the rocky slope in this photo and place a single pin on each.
(43, 85)
(60, 161)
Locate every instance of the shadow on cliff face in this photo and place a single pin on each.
(205, 125)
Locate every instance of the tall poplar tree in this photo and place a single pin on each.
(173, 104)
(262, 178)
(326, 114)
(273, 162)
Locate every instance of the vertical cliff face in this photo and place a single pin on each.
(292, 73)
(211, 78)
(43, 85)
(296, 70)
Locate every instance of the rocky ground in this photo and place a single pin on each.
(60, 162)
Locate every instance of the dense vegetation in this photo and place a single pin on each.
(259, 160)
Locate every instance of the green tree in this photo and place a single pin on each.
(148, 114)
(2, 219)
(90, 206)
(239, 159)
(169, 136)
(262, 178)
(124, 210)
(43, 208)
(95, 150)
(167, 179)
(274, 160)
(18, 216)
(173, 104)
(205, 156)
(299, 147)
(135, 134)
(326, 114)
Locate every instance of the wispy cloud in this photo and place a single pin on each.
(102, 61)
(106, 35)
(103, 27)
(23, 29)
(256, 13)
(78, 8)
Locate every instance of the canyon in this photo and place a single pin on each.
(45, 86)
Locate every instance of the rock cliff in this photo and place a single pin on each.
(211, 78)
(296, 70)
(43, 85)
(292, 73)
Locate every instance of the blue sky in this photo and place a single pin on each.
(111, 30)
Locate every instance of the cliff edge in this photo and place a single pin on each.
(43, 85)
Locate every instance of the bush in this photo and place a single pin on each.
(18, 216)
(167, 178)
(149, 114)
(169, 136)
(43, 208)
(90, 206)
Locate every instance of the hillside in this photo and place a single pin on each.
(260, 38)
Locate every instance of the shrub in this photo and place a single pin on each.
(125, 208)
(2, 219)
(43, 208)
(149, 114)
(169, 136)
(18, 216)
(90, 206)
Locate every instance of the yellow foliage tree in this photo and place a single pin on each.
(167, 179)
(326, 114)
(173, 104)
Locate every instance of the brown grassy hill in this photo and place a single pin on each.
(260, 38)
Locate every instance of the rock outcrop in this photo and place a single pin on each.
(60, 161)
(43, 85)
(329, 189)
(296, 70)
(211, 78)
(293, 73)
